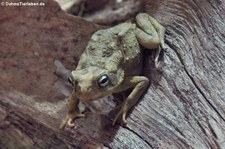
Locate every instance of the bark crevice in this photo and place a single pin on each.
(195, 83)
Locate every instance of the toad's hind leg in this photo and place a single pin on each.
(150, 34)
(140, 83)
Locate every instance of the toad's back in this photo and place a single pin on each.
(112, 49)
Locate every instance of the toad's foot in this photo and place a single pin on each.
(157, 54)
(140, 83)
(69, 119)
(123, 113)
(150, 34)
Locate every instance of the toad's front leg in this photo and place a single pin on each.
(150, 34)
(73, 112)
(139, 83)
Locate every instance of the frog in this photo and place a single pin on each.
(112, 63)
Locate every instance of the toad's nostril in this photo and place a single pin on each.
(86, 90)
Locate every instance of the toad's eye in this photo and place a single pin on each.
(103, 80)
(70, 81)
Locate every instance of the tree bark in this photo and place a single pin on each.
(184, 106)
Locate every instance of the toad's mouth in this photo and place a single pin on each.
(86, 96)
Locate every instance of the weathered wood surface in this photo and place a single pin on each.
(184, 107)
